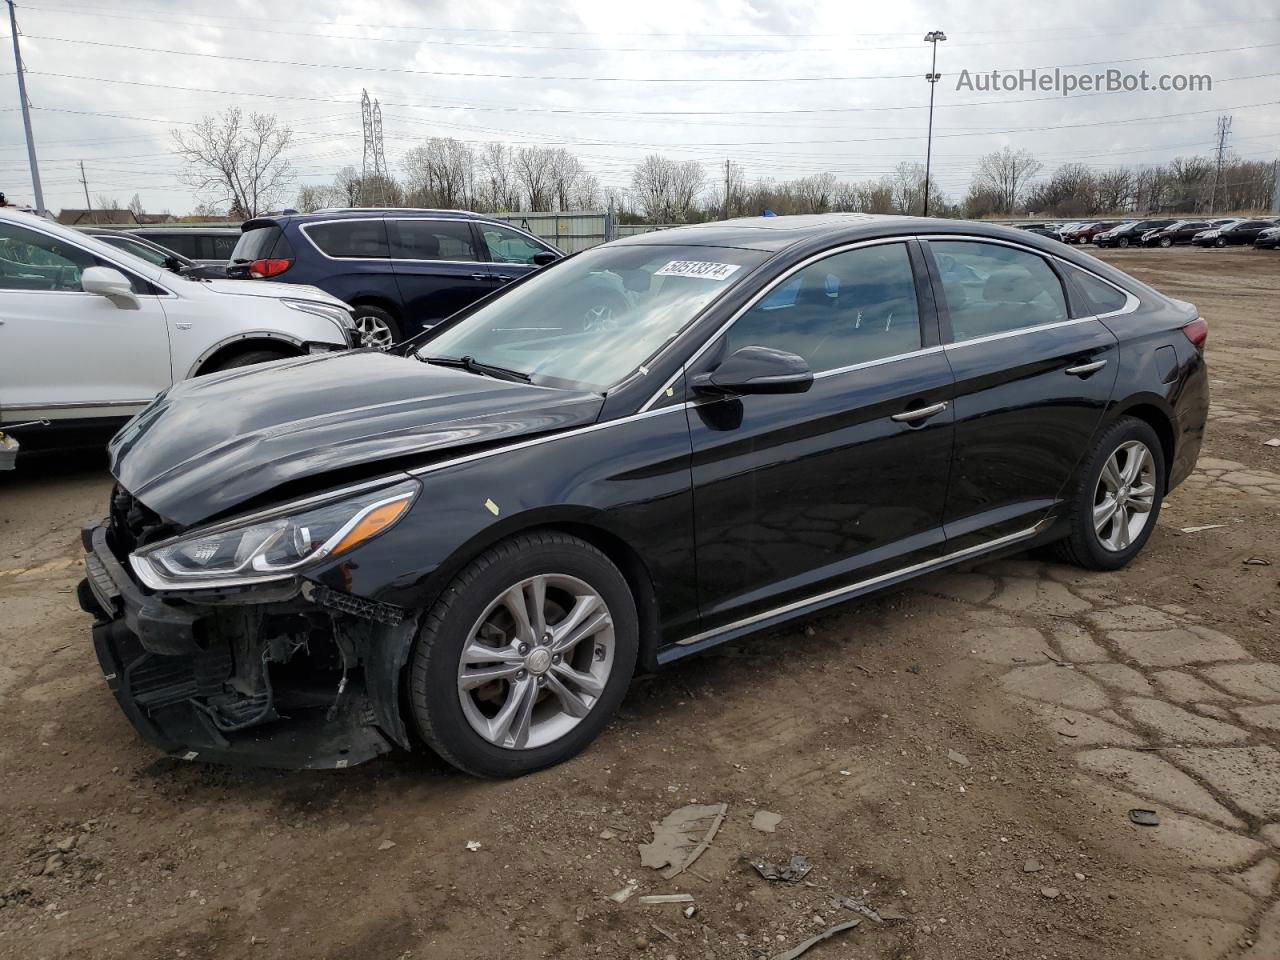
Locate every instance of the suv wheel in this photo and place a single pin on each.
(375, 328)
(525, 657)
(1117, 499)
(247, 359)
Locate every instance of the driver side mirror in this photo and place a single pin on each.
(750, 370)
(544, 257)
(110, 283)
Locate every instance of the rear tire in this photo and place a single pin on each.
(1096, 540)
(247, 359)
(559, 697)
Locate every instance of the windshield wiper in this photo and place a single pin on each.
(472, 365)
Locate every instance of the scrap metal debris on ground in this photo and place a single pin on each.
(814, 941)
(1145, 818)
(795, 870)
(682, 837)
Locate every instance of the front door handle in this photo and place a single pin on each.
(503, 278)
(481, 276)
(920, 413)
(1084, 369)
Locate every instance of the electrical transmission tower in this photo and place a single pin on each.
(373, 171)
(1224, 134)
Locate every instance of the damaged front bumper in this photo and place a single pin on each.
(289, 674)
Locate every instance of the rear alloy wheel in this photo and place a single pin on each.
(525, 657)
(1117, 499)
(375, 328)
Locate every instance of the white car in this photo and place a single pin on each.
(90, 333)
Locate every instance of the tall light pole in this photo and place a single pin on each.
(26, 112)
(933, 76)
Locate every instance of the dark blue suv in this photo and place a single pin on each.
(402, 270)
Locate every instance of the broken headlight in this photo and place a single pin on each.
(272, 546)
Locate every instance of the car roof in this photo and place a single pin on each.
(773, 234)
(331, 213)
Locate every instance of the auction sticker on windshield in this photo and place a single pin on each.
(698, 268)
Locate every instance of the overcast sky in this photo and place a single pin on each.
(615, 81)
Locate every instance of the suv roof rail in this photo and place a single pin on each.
(467, 213)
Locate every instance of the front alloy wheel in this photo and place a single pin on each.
(1166, 242)
(536, 661)
(525, 656)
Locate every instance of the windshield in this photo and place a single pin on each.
(597, 317)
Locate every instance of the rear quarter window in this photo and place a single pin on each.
(1095, 296)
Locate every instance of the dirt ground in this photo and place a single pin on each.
(962, 753)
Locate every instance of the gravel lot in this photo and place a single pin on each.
(962, 754)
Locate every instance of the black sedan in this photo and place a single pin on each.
(1268, 239)
(474, 541)
(1233, 234)
(1180, 231)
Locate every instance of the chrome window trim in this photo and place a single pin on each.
(1038, 328)
(923, 351)
(77, 404)
(1131, 304)
(128, 271)
(304, 229)
(867, 584)
(760, 295)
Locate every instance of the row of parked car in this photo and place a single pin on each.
(1223, 232)
(95, 322)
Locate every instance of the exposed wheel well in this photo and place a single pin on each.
(379, 302)
(1159, 421)
(239, 347)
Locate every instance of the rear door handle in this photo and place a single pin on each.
(481, 276)
(504, 278)
(1084, 369)
(921, 413)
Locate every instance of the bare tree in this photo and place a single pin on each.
(135, 207)
(496, 188)
(237, 160)
(651, 183)
(586, 195)
(441, 173)
(315, 197)
(347, 187)
(815, 193)
(908, 188)
(566, 171)
(1007, 174)
(534, 172)
(687, 182)
(1115, 190)
(107, 203)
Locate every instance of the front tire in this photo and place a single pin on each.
(246, 359)
(525, 657)
(1122, 242)
(1219, 242)
(1166, 242)
(376, 328)
(1117, 499)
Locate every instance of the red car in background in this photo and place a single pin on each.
(1086, 232)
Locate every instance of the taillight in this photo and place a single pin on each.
(268, 268)
(1197, 332)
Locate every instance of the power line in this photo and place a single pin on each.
(469, 75)
(439, 29)
(237, 27)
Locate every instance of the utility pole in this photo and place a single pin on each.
(1275, 186)
(85, 184)
(1224, 133)
(26, 110)
(726, 188)
(933, 76)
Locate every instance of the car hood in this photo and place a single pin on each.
(212, 443)
(271, 289)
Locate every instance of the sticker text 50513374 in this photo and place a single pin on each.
(698, 268)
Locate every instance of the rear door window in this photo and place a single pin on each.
(433, 240)
(992, 289)
(360, 239)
